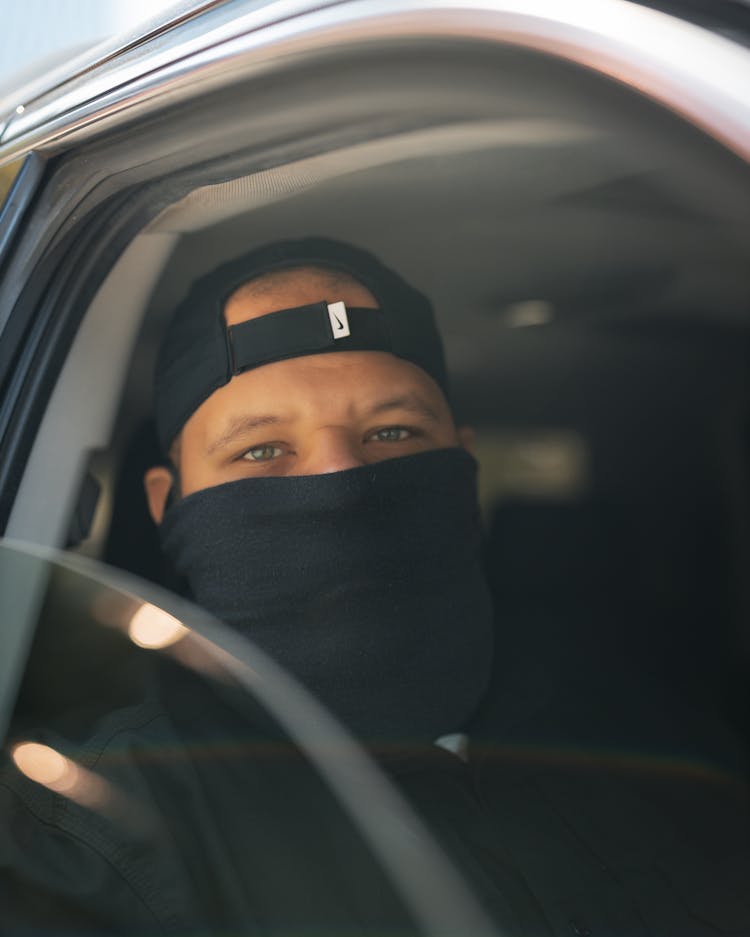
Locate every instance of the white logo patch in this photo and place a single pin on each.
(339, 319)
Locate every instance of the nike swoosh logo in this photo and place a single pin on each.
(339, 320)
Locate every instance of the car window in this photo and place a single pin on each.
(585, 247)
(147, 742)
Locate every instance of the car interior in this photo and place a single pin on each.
(586, 252)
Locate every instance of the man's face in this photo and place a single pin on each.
(308, 415)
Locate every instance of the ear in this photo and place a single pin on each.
(466, 437)
(158, 483)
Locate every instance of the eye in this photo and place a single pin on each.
(392, 434)
(263, 453)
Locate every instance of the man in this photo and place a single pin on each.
(320, 501)
(323, 503)
(319, 498)
(323, 499)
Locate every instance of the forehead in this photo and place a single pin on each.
(298, 396)
(295, 286)
(334, 386)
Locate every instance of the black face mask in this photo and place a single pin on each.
(365, 584)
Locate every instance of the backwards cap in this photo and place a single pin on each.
(200, 353)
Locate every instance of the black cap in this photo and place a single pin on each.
(200, 353)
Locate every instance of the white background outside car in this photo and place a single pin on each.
(39, 34)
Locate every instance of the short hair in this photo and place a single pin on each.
(265, 283)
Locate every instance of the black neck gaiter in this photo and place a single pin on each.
(365, 584)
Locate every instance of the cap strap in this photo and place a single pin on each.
(305, 330)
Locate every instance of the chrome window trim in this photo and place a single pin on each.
(115, 65)
(652, 52)
(104, 51)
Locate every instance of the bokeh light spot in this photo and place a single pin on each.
(153, 628)
(44, 765)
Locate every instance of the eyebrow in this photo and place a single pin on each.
(409, 402)
(240, 427)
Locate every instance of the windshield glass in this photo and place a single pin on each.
(158, 768)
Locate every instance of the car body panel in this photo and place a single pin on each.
(646, 49)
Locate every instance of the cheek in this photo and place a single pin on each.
(196, 470)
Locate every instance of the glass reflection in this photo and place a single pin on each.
(153, 628)
(130, 740)
(44, 765)
(50, 768)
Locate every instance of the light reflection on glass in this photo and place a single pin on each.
(203, 657)
(47, 766)
(153, 628)
(44, 765)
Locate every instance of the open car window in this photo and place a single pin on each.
(144, 740)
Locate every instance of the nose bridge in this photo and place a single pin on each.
(333, 449)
